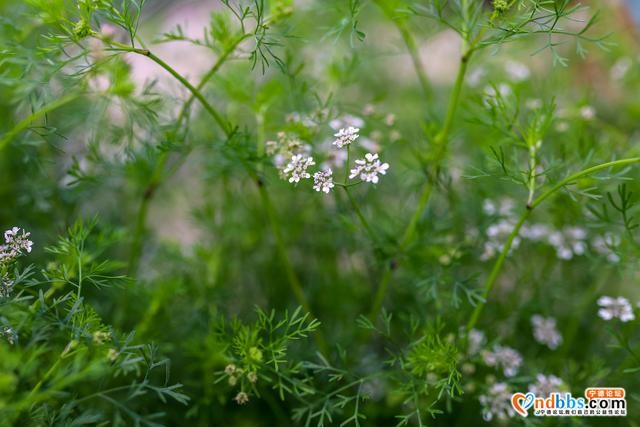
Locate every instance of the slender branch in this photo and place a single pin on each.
(441, 142)
(497, 267)
(157, 175)
(358, 211)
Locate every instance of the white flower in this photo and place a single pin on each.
(587, 112)
(615, 307)
(15, 243)
(517, 71)
(545, 331)
(390, 119)
(476, 340)
(605, 246)
(545, 385)
(346, 136)
(568, 242)
(345, 121)
(323, 181)
(369, 168)
(497, 403)
(297, 168)
(241, 398)
(475, 76)
(620, 68)
(505, 357)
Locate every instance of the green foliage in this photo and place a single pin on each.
(198, 278)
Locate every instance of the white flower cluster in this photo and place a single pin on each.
(619, 307)
(346, 136)
(297, 167)
(545, 331)
(496, 403)
(323, 181)
(369, 168)
(568, 242)
(15, 242)
(545, 385)
(517, 71)
(293, 158)
(476, 339)
(503, 357)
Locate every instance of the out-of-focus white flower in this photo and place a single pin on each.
(369, 109)
(323, 181)
(476, 340)
(535, 232)
(475, 76)
(390, 119)
(620, 68)
(395, 135)
(605, 246)
(369, 168)
(346, 121)
(503, 357)
(496, 403)
(569, 242)
(491, 94)
(587, 112)
(346, 136)
(562, 126)
(497, 234)
(619, 307)
(545, 385)
(369, 144)
(8, 333)
(297, 168)
(517, 71)
(545, 331)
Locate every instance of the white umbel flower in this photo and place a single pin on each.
(545, 385)
(323, 181)
(346, 136)
(545, 331)
(505, 357)
(369, 168)
(496, 403)
(297, 168)
(15, 243)
(615, 307)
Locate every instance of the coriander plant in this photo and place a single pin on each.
(339, 212)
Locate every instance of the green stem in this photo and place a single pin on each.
(358, 211)
(157, 178)
(497, 267)
(411, 46)
(441, 148)
(9, 136)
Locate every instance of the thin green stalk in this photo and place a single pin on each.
(497, 267)
(9, 136)
(358, 211)
(156, 177)
(226, 128)
(441, 142)
(411, 46)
